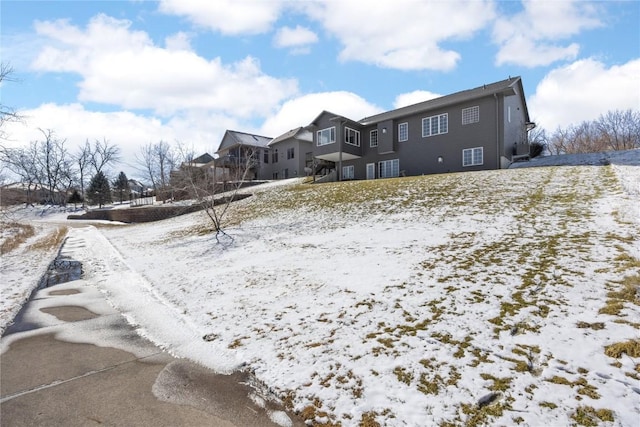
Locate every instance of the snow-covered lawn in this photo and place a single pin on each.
(458, 299)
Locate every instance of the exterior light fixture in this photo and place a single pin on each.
(440, 159)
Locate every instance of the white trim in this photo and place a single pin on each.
(435, 125)
(347, 172)
(471, 115)
(356, 134)
(371, 138)
(371, 171)
(406, 131)
(476, 156)
(389, 168)
(327, 140)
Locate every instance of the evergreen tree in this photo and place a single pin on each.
(75, 198)
(121, 185)
(99, 192)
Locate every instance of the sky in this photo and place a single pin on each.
(137, 72)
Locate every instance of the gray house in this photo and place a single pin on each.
(291, 154)
(239, 151)
(476, 129)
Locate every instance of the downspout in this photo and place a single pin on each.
(498, 166)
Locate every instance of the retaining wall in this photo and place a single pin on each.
(145, 213)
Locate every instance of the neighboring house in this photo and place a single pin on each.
(476, 129)
(138, 189)
(289, 154)
(240, 151)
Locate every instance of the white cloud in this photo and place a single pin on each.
(178, 41)
(414, 97)
(403, 34)
(232, 17)
(298, 38)
(583, 90)
(124, 68)
(529, 37)
(125, 129)
(302, 110)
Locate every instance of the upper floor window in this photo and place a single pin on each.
(473, 156)
(274, 156)
(470, 115)
(290, 153)
(327, 136)
(403, 131)
(435, 125)
(373, 138)
(352, 136)
(266, 156)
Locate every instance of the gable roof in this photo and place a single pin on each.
(299, 133)
(205, 158)
(333, 117)
(506, 87)
(234, 138)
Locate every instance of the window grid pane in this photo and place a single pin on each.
(373, 138)
(470, 115)
(435, 125)
(403, 132)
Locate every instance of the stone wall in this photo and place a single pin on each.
(145, 213)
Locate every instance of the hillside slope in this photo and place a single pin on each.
(501, 296)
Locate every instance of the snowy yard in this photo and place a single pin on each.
(504, 297)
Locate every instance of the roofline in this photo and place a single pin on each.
(427, 105)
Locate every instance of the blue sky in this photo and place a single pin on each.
(136, 72)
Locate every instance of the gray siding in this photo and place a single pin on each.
(419, 155)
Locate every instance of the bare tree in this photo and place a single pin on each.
(215, 188)
(7, 114)
(157, 160)
(538, 141)
(22, 163)
(615, 130)
(620, 130)
(82, 159)
(54, 164)
(103, 154)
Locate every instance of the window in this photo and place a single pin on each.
(266, 156)
(371, 171)
(403, 131)
(274, 156)
(352, 136)
(286, 173)
(327, 136)
(389, 168)
(290, 153)
(472, 156)
(373, 138)
(347, 172)
(435, 125)
(470, 115)
(275, 175)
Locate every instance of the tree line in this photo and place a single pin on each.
(613, 131)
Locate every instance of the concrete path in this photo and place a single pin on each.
(72, 360)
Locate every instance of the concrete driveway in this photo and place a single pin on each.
(71, 360)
